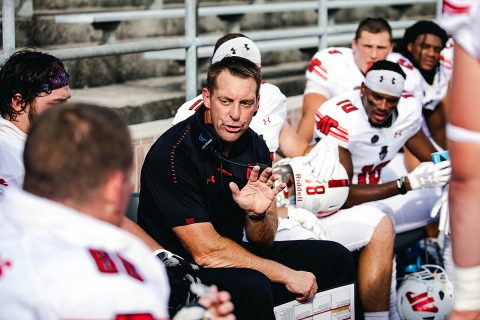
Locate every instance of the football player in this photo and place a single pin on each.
(462, 20)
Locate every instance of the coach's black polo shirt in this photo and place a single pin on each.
(181, 183)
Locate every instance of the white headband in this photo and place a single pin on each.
(385, 81)
(241, 47)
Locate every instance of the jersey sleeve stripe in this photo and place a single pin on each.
(196, 103)
(338, 136)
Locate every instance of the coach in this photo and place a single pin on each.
(204, 184)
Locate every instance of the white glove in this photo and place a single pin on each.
(430, 175)
(323, 158)
(309, 221)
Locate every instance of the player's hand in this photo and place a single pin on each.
(323, 158)
(218, 305)
(309, 221)
(303, 284)
(259, 192)
(430, 175)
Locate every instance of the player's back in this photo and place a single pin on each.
(58, 263)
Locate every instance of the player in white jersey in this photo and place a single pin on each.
(12, 141)
(334, 71)
(31, 82)
(61, 253)
(462, 19)
(370, 126)
(426, 47)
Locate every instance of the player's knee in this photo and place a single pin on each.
(384, 231)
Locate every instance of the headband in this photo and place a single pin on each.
(385, 81)
(57, 78)
(240, 47)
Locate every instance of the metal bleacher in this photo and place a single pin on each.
(192, 46)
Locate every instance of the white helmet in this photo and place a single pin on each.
(426, 294)
(304, 191)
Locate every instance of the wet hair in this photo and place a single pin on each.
(238, 67)
(29, 73)
(373, 25)
(72, 149)
(422, 27)
(387, 65)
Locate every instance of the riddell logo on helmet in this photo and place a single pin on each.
(421, 302)
(298, 187)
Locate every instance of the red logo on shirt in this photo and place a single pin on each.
(3, 265)
(211, 180)
(3, 182)
(266, 120)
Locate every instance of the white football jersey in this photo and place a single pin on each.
(332, 72)
(267, 123)
(413, 82)
(461, 18)
(12, 142)
(371, 148)
(57, 263)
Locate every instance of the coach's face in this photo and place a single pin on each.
(378, 106)
(232, 105)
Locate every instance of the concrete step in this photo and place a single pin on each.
(158, 98)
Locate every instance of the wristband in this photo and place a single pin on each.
(402, 188)
(467, 282)
(256, 217)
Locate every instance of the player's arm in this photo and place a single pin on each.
(291, 144)
(133, 228)
(311, 103)
(361, 193)
(420, 146)
(211, 250)
(464, 199)
(436, 123)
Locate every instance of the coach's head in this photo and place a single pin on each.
(231, 97)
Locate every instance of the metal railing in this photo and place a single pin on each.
(191, 46)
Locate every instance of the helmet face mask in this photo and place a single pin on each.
(426, 294)
(305, 191)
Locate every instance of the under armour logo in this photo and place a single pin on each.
(381, 78)
(233, 51)
(3, 265)
(3, 183)
(266, 120)
(246, 46)
(211, 180)
(393, 80)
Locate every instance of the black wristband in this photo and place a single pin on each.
(402, 188)
(256, 217)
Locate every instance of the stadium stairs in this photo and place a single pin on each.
(147, 92)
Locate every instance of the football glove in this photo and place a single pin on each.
(323, 158)
(430, 175)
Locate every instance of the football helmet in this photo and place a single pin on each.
(305, 191)
(426, 294)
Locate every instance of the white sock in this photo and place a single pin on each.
(392, 310)
(381, 315)
(448, 260)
